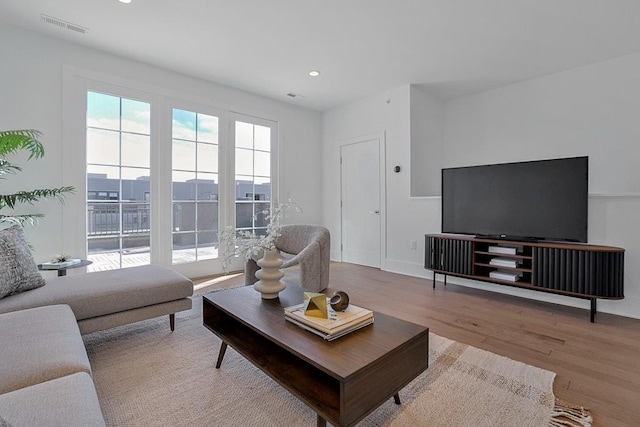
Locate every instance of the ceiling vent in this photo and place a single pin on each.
(63, 24)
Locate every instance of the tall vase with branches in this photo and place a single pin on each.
(248, 244)
(12, 141)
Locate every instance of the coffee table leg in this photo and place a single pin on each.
(223, 348)
(396, 398)
(321, 422)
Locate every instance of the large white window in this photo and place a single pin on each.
(118, 181)
(195, 186)
(162, 176)
(254, 161)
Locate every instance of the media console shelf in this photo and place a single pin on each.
(575, 270)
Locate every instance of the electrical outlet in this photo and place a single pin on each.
(414, 245)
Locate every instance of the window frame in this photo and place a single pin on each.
(222, 167)
(106, 197)
(273, 126)
(76, 83)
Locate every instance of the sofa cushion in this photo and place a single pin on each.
(18, 270)
(38, 345)
(4, 423)
(67, 401)
(106, 292)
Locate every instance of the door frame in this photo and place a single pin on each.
(381, 137)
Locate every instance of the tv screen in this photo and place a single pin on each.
(537, 200)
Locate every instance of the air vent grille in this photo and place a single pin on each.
(63, 24)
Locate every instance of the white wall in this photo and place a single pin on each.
(591, 110)
(31, 84)
(407, 218)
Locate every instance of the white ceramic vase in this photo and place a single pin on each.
(269, 275)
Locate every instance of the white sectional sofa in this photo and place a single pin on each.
(45, 375)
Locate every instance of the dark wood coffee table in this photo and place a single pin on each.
(341, 380)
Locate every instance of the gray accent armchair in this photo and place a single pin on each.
(304, 245)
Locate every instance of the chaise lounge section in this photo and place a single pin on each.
(106, 299)
(99, 300)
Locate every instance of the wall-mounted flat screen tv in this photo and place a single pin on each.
(536, 200)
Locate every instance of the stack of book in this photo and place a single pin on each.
(338, 323)
(59, 265)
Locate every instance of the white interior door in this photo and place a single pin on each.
(361, 216)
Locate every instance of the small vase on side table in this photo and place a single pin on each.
(269, 275)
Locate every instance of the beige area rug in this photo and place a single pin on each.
(146, 375)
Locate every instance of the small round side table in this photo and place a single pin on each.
(62, 271)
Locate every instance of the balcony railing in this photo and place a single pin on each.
(103, 219)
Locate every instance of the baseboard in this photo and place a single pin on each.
(407, 268)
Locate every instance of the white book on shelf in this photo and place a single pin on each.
(504, 262)
(337, 321)
(509, 276)
(507, 250)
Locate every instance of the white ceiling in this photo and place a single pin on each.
(362, 47)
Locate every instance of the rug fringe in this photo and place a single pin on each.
(566, 414)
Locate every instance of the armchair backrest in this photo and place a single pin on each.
(295, 237)
(314, 264)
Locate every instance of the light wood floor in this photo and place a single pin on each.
(597, 364)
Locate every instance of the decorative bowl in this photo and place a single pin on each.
(339, 301)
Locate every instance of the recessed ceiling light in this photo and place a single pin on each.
(314, 73)
(125, 1)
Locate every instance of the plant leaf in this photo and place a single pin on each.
(27, 139)
(27, 219)
(7, 167)
(10, 200)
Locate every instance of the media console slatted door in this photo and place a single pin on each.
(577, 270)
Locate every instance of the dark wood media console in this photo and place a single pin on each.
(575, 270)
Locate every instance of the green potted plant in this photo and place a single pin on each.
(12, 141)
